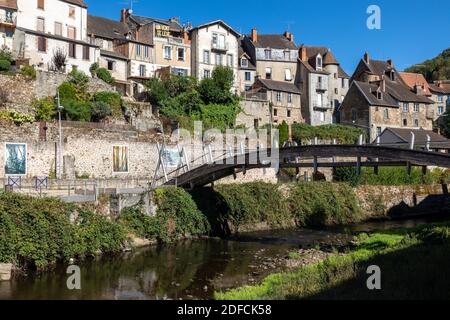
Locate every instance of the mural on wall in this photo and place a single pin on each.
(15, 159)
(120, 159)
(171, 158)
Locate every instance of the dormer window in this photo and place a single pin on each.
(244, 63)
(392, 76)
(268, 54)
(379, 95)
(319, 62)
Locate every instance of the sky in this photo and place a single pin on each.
(411, 31)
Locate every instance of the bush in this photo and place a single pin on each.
(18, 118)
(79, 79)
(105, 75)
(284, 133)
(69, 92)
(45, 109)
(37, 232)
(302, 132)
(28, 71)
(93, 69)
(99, 111)
(6, 54)
(77, 110)
(112, 99)
(324, 203)
(5, 65)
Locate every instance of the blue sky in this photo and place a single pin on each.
(411, 31)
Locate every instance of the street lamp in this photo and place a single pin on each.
(60, 160)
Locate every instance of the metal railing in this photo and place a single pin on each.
(8, 19)
(252, 95)
(219, 46)
(321, 86)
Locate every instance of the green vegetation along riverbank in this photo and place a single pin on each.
(413, 265)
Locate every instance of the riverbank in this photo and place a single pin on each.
(413, 265)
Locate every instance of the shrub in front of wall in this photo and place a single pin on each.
(113, 99)
(28, 71)
(79, 79)
(45, 109)
(69, 92)
(251, 203)
(105, 75)
(93, 69)
(5, 65)
(324, 203)
(77, 110)
(6, 54)
(100, 111)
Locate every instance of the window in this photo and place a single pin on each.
(207, 74)
(289, 97)
(256, 123)
(268, 73)
(275, 112)
(268, 54)
(440, 110)
(206, 57)
(244, 63)
(215, 39)
(405, 107)
(110, 65)
(230, 60)
(386, 114)
(392, 76)
(146, 51)
(335, 75)
(287, 55)
(416, 107)
(41, 4)
(180, 52)
(42, 44)
(336, 91)
(142, 70)
(248, 88)
(343, 83)
(405, 122)
(40, 24)
(218, 59)
(279, 96)
(72, 50)
(288, 74)
(86, 53)
(289, 113)
(379, 131)
(58, 29)
(440, 98)
(322, 116)
(138, 50)
(379, 95)
(416, 122)
(71, 12)
(248, 76)
(71, 33)
(168, 52)
(354, 115)
(319, 63)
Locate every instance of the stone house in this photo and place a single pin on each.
(8, 20)
(107, 35)
(169, 40)
(247, 70)
(378, 98)
(440, 91)
(44, 26)
(214, 44)
(323, 83)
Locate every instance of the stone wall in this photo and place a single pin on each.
(16, 93)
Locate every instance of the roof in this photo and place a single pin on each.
(11, 4)
(420, 137)
(402, 93)
(342, 73)
(251, 65)
(442, 86)
(274, 41)
(80, 3)
(279, 86)
(328, 59)
(106, 28)
(221, 22)
(368, 89)
(113, 54)
(413, 79)
(172, 23)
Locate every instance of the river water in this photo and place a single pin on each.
(186, 270)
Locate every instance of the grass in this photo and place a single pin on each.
(410, 260)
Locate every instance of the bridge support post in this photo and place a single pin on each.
(408, 168)
(376, 170)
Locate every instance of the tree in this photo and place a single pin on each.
(446, 124)
(59, 59)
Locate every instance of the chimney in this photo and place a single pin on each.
(390, 63)
(303, 56)
(124, 15)
(366, 57)
(289, 36)
(383, 83)
(254, 35)
(186, 37)
(174, 19)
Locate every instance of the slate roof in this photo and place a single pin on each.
(279, 86)
(443, 86)
(328, 59)
(113, 54)
(174, 25)
(420, 135)
(106, 28)
(412, 79)
(221, 22)
(80, 3)
(11, 4)
(274, 41)
(251, 65)
(402, 93)
(368, 89)
(342, 73)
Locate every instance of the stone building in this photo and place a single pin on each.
(423, 139)
(107, 35)
(247, 70)
(8, 20)
(378, 98)
(168, 38)
(214, 44)
(440, 91)
(45, 26)
(323, 83)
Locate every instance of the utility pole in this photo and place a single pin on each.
(60, 153)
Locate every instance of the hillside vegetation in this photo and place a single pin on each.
(437, 68)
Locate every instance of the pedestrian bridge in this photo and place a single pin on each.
(308, 156)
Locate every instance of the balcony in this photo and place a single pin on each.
(254, 95)
(320, 86)
(219, 46)
(322, 106)
(8, 20)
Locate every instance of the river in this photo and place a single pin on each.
(186, 270)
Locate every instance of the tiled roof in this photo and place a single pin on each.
(443, 86)
(106, 28)
(413, 79)
(279, 86)
(274, 41)
(80, 3)
(173, 24)
(11, 4)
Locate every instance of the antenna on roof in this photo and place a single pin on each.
(130, 4)
(289, 24)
